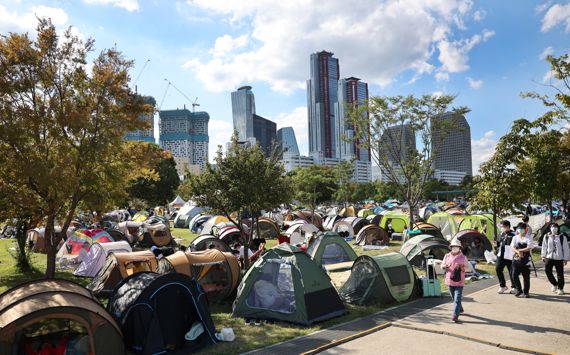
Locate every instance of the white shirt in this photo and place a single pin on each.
(519, 239)
(551, 244)
(241, 252)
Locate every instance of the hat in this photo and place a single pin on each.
(455, 243)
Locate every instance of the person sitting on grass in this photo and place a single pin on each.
(454, 263)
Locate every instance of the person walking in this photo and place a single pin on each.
(455, 264)
(504, 256)
(522, 245)
(555, 254)
(525, 219)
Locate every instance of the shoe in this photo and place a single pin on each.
(502, 290)
(455, 319)
(247, 321)
(554, 289)
(522, 295)
(518, 294)
(526, 295)
(257, 322)
(513, 290)
(560, 292)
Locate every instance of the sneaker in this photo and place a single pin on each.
(518, 294)
(502, 290)
(560, 292)
(554, 289)
(247, 321)
(455, 319)
(513, 290)
(522, 295)
(257, 322)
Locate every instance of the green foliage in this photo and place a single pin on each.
(314, 185)
(157, 192)
(346, 187)
(364, 191)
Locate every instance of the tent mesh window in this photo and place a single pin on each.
(360, 282)
(273, 288)
(333, 254)
(398, 275)
(55, 335)
(216, 280)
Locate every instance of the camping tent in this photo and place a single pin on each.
(307, 216)
(140, 216)
(348, 212)
(365, 212)
(426, 228)
(482, 222)
(96, 257)
(216, 271)
(156, 311)
(185, 215)
(56, 312)
(197, 223)
(372, 235)
(381, 279)
(299, 233)
(330, 221)
(399, 221)
(330, 248)
(564, 228)
(131, 230)
(208, 241)
(208, 227)
(156, 234)
(268, 228)
(119, 266)
(445, 222)
(415, 248)
(474, 244)
(231, 234)
(177, 203)
(74, 249)
(284, 284)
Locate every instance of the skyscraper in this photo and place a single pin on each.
(146, 135)
(351, 92)
(452, 144)
(322, 89)
(265, 133)
(185, 135)
(287, 141)
(397, 142)
(243, 109)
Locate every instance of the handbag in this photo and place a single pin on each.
(456, 274)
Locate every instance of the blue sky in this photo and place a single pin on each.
(486, 52)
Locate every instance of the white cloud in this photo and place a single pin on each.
(399, 34)
(475, 84)
(12, 21)
(556, 14)
(542, 7)
(220, 133)
(479, 15)
(441, 76)
(548, 76)
(437, 93)
(545, 53)
(454, 55)
(227, 44)
(482, 149)
(297, 119)
(129, 5)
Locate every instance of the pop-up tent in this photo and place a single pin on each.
(131, 230)
(217, 272)
(162, 313)
(474, 244)
(207, 241)
(96, 257)
(372, 235)
(185, 215)
(209, 226)
(416, 248)
(381, 279)
(330, 248)
(300, 233)
(425, 228)
(445, 222)
(156, 234)
(268, 228)
(330, 221)
(284, 284)
(58, 315)
(481, 222)
(197, 223)
(119, 266)
(308, 216)
(399, 221)
(76, 247)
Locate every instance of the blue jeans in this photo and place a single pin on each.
(456, 292)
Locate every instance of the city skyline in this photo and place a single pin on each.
(487, 52)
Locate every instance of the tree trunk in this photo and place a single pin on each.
(495, 223)
(23, 261)
(51, 242)
(552, 218)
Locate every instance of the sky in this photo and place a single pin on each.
(486, 52)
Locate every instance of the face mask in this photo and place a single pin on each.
(554, 230)
(455, 250)
(521, 231)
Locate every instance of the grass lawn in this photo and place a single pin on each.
(247, 337)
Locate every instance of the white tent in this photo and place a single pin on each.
(177, 203)
(299, 232)
(97, 255)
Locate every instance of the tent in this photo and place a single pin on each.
(231, 235)
(140, 216)
(197, 223)
(474, 244)
(365, 212)
(156, 311)
(300, 232)
(97, 255)
(268, 228)
(208, 227)
(375, 219)
(426, 228)
(399, 221)
(156, 234)
(348, 212)
(330, 248)
(131, 230)
(217, 272)
(307, 216)
(56, 312)
(564, 228)
(208, 241)
(372, 235)
(185, 215)
(284, 284)
(119, 266)
(445, 222)
(482, 222)
(380, 279)
(74, 249)
(415, 248)
(177, 203)
(330, 221)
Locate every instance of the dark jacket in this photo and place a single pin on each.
(503, 240)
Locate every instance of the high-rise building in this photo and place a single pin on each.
(265, 133)
(322, 90)
(146, 135)
(185, 135)
(287, 141)
(243, 109)
(397, 142)
(351, 93)
(451, 140)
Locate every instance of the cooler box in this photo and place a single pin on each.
(430, 287)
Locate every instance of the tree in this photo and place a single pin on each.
(157, 192)
(384, 124)
(243, 179)
(364, 191)
(314, 185)
(62, 128)
(343, 173)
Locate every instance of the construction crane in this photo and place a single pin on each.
(194, 104)
(140, 73)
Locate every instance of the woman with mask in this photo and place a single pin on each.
(454, 264)
(522, 245)
(555, 254)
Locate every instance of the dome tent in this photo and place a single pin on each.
(156, 234)
(445, 222)
(67, 314)
(381, 279)
(156, 311)
(425, 228)
(185, 215)
(482, 222)
(372, 235)
(330, 248)
(286, 285)
(399, 221)
(474, 244)
(299, 232)
(96, 257)
(197, 223)
(415, 248)
(207, 241)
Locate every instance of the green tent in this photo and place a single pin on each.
(286, 285)
(481, 222)
(381, 279)
(399, 220)
(445, 222)
(363, 213)
(330, 248)
(415, 248)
